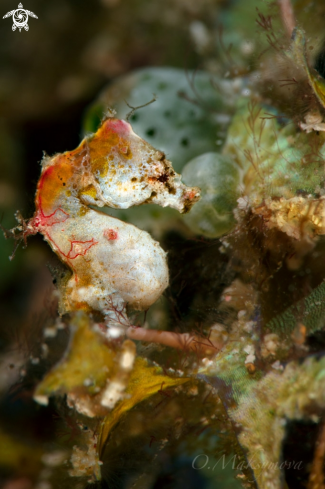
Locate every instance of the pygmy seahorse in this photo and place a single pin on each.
(113, 263)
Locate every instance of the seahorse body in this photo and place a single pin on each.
(112, 262)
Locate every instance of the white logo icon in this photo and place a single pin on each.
(20, 18)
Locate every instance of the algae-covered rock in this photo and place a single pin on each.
(296, 393)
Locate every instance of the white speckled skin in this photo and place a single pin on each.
(132, 266)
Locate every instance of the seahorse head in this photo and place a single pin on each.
(124, 170)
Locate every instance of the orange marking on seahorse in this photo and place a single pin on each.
(52, 182)
(112, 135)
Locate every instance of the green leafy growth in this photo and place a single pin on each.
(145, 380)
(297, 53)
(87, 364)
(229, 367)
(309, 311)
(277, 160)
